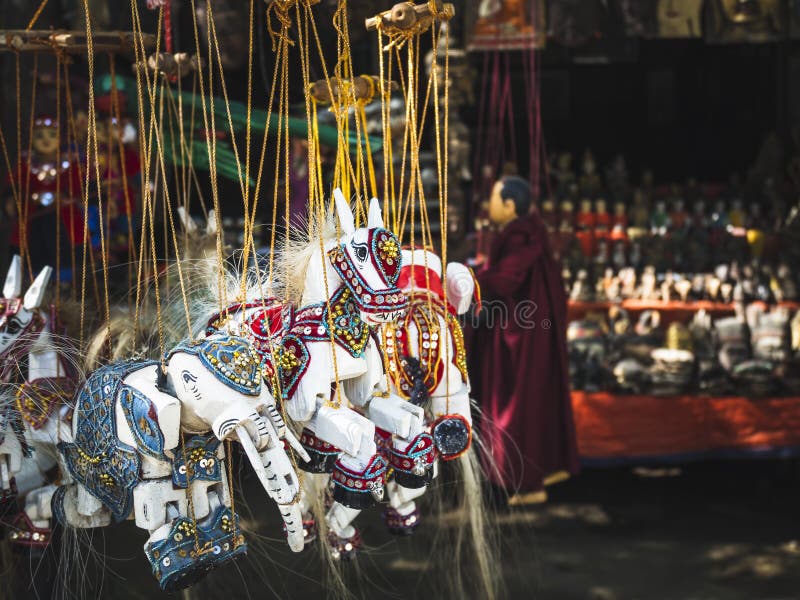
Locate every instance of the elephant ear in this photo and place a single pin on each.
(140, 413)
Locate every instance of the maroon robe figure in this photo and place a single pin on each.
(518, 360)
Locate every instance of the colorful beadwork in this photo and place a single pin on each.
(424, 314)
(105, 466)
(202, 461)
(190, 551)
(369, 300)
(36, 399)
(231, 359)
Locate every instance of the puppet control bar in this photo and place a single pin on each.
(405, 16)
(73, 42)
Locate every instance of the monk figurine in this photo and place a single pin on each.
(519, 367)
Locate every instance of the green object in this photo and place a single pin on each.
(226, 159)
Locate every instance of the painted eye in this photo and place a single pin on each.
(14, 326)
(361, 252)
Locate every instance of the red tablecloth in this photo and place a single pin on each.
(622, 428)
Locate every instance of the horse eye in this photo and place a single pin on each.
(361, 253)
(188, 377)
(13, 326)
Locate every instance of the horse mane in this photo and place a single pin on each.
(295, 255)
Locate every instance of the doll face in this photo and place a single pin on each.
(501, 211)
(45, 140)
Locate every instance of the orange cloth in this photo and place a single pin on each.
(610, 426)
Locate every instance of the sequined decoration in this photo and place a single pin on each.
(202, 463)
(391, 299)
(424, 314)
(36, 399)
(106, 467)
(190, 551)
(231, 359)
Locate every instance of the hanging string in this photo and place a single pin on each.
(35, 17)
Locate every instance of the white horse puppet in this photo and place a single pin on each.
(37, 380)
(426, 364)
(325, 359)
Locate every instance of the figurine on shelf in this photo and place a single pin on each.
(660, 221)
(640, 216)
(617, 179)
(585, 222)
(601, 255)
(563, 173)
(692, 192)
(521, 269)
(566, 216)
(679, 218)
(618, 255)
(647, 186)
(620, 216)
(648, 289)
(699, 220)
(589, 180)
(627, 278)
(755, 231)
(737, 217)
(602, 220)
(636, 255)
(549, 216)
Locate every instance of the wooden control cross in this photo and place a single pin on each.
(72, 42)
(406, 16)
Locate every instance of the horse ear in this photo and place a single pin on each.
(13, 285)
(211, 224)
(35, 293)
(186, 220)
(374, 216)
(345, 214)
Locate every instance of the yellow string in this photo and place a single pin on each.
(35, 17)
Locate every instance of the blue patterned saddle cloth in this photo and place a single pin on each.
(105, 466)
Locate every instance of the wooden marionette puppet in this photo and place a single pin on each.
(119, 165)
(47, 184)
